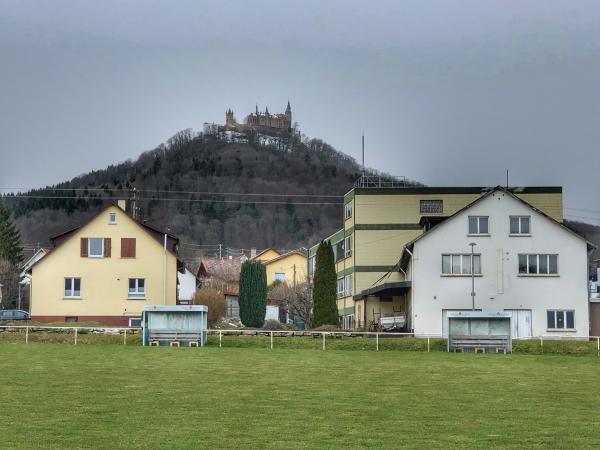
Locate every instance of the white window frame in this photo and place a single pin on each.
(348, 210)
(462, 269)
(341, 284)
(136, 293)
(348, 285)
(101, 255)
(478, 226)
(520, 220)
(282, 280)
(112, 218)
(537, 257)
(564, 312)
(71, 291)
(136, 319)
(311, 265)
(347, 246)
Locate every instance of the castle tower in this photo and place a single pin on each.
(229, 121)
(288, 114)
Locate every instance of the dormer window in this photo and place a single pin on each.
(112, 218)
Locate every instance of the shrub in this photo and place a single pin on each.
(327, 328)
(273, 325)
(215, 301)
(325, 287)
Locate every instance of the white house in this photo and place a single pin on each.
(525, 263)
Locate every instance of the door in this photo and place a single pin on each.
(521, 323)
(595, 318)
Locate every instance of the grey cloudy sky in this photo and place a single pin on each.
(448, 92)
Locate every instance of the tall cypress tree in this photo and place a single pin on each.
(325, 287)
(253, 294)
(10, 239)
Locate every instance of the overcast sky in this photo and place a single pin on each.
(448, 92)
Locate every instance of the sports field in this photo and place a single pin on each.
(111, 396)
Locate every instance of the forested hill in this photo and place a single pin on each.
(174, 181)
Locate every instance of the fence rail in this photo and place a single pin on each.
(275, 338)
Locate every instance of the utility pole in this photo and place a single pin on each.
(294, 275)
(220, 251)
(363, 153)
(473, 244)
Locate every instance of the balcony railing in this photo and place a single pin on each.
(379, 181)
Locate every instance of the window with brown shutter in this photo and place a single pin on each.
(127, 247)
(84, 248)
(107, 247)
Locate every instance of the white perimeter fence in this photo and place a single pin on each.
(326, 339)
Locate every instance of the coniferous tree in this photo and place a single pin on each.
(325, 287)
(253, 294)
(10, 239)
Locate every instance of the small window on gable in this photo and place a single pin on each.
(520, 225)
(478, 225)
(112, 218)
(348, 210)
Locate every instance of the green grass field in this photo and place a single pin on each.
(115, 396)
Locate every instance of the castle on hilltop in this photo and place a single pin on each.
(261, 120)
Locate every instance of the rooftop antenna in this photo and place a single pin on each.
(363, 153)
(507, 180)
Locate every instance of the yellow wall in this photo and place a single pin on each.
(287, 265)
(104, 281)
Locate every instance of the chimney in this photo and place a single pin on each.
(252, 253)
(122, 203)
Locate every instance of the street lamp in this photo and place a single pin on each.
(473, 244)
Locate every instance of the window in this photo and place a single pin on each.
(431, 206)
(71, 319)
(344, 286)
(560, 320)
(127, 247)
(95, 247)
(519, 225)
(478, 225)
(311, 265)
(280, 277)
(112, 218)
(135, 321)
(347, 285)
(338, 251)
(538, 264)
(233, 307)
(340, 287)
(72, 287)
(348, 211)
(348, 246)
(136, 288)
(460, 264)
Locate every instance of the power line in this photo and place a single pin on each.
(158, 191)
(188, 200)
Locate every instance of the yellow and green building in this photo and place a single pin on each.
(381, 215)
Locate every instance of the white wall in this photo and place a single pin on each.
(187, 285)
(500, 287)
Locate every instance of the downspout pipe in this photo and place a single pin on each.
(412, 288)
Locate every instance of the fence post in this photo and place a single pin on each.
(220, 338)
(271, 340)
(376, 342)
(598, 344)
(542, 343)
(323, 341)
(75, 336)
(427, 344)
(27, 335)
(124, 336)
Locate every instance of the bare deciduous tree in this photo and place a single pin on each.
(296, 300)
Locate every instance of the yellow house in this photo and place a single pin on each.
(381, 215)
(105, 271)
(289, 268)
